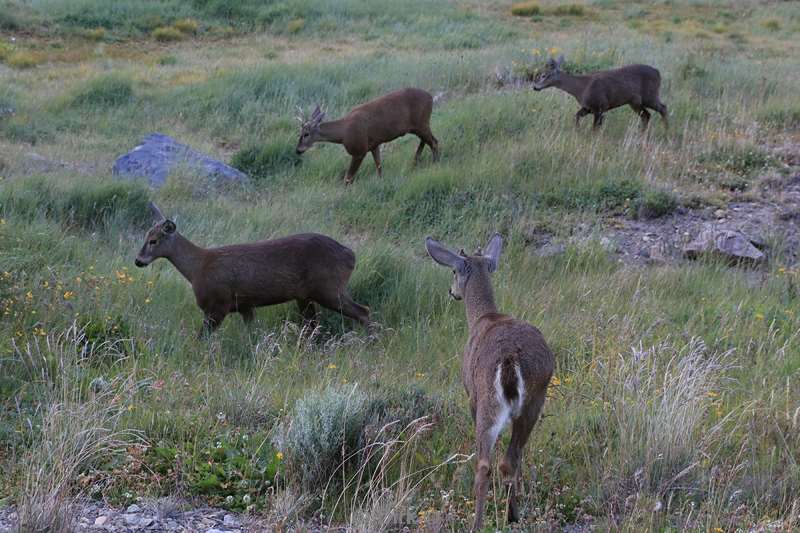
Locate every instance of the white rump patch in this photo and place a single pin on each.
(508, 409)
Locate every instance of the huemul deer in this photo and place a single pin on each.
(307, 268)
(598, 92)
(369, 125)
(506, 369)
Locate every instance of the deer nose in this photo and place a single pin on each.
(139, 263)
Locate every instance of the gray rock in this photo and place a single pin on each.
(550, 249)
(131, 519)
(159, 154)
(133, 509)
(725, 242)
(230, 521)
(101, 520)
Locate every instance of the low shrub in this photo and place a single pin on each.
(264, 161)
(23, 59)
(167, 61)
(606, 195)
(772, 24)
(167, 34)
(655, 204)
(5, 51)
(739, 158)
(323, 430)
(187, 26)
(87, 205)
(526, 9)
(96, 34)
(295, 26)
(573, 10)
(106, 91)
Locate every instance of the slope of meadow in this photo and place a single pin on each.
(675, 404)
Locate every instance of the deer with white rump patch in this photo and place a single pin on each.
(369, 125)
(308, 268)
(506, 368)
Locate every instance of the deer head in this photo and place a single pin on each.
(159, 239)
(550, 75)
(464, 266)
(309, 129)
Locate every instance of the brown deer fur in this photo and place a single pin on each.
(307, 268)
(634, 85)
(506, 368)
(369, 125)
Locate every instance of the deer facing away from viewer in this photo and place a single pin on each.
(369, 125)
(634, 85)
(308, 268)
(506, 368)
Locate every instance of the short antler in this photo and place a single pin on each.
(157, 212)
(301, 116)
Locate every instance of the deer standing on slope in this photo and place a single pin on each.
(506, 368)
(634, 85)
(307, 268)
(369, 125)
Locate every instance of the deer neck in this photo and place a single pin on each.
(187, 257)
(478, 298)
(574, 85)
(332, 132)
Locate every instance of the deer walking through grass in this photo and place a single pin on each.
(506, 368)
(369, 125)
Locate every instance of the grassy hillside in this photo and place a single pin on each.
(676, 399)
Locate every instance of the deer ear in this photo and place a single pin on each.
(168, 227)
(443, 255)
(560, 61)
(493, 250)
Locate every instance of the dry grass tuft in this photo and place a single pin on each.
(76, 429)
(187, 26)
(166, 34)
(526, 9)
(23, 59)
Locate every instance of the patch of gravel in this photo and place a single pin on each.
(771, 223)
(165, 514)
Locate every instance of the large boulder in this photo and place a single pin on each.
(731, 244)
(160, 154)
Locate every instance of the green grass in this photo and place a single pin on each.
(214, 418)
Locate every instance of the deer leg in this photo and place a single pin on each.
(351, 172)
(582, 112)
(433, 142)
(211, 322)
(643, 113)
(309, 312)
(520, 432)
(661, 109)
(345, 305)
(598, 120)
(247, 315)
(420, 148)
(376, 156)
(486, 440)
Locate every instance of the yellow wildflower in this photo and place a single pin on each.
(29, 296)
(759, 316)
(147, 300)
(279, 456)
(68, 295)
(331, 366)
(553, 51)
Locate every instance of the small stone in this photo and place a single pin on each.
(230, 521)
(719, 213)
(101, 520)
(131, 519)
(133, 509)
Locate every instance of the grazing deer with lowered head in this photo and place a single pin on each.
(369, 125)
(307, 268)
(506, 368)
(598, 92)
